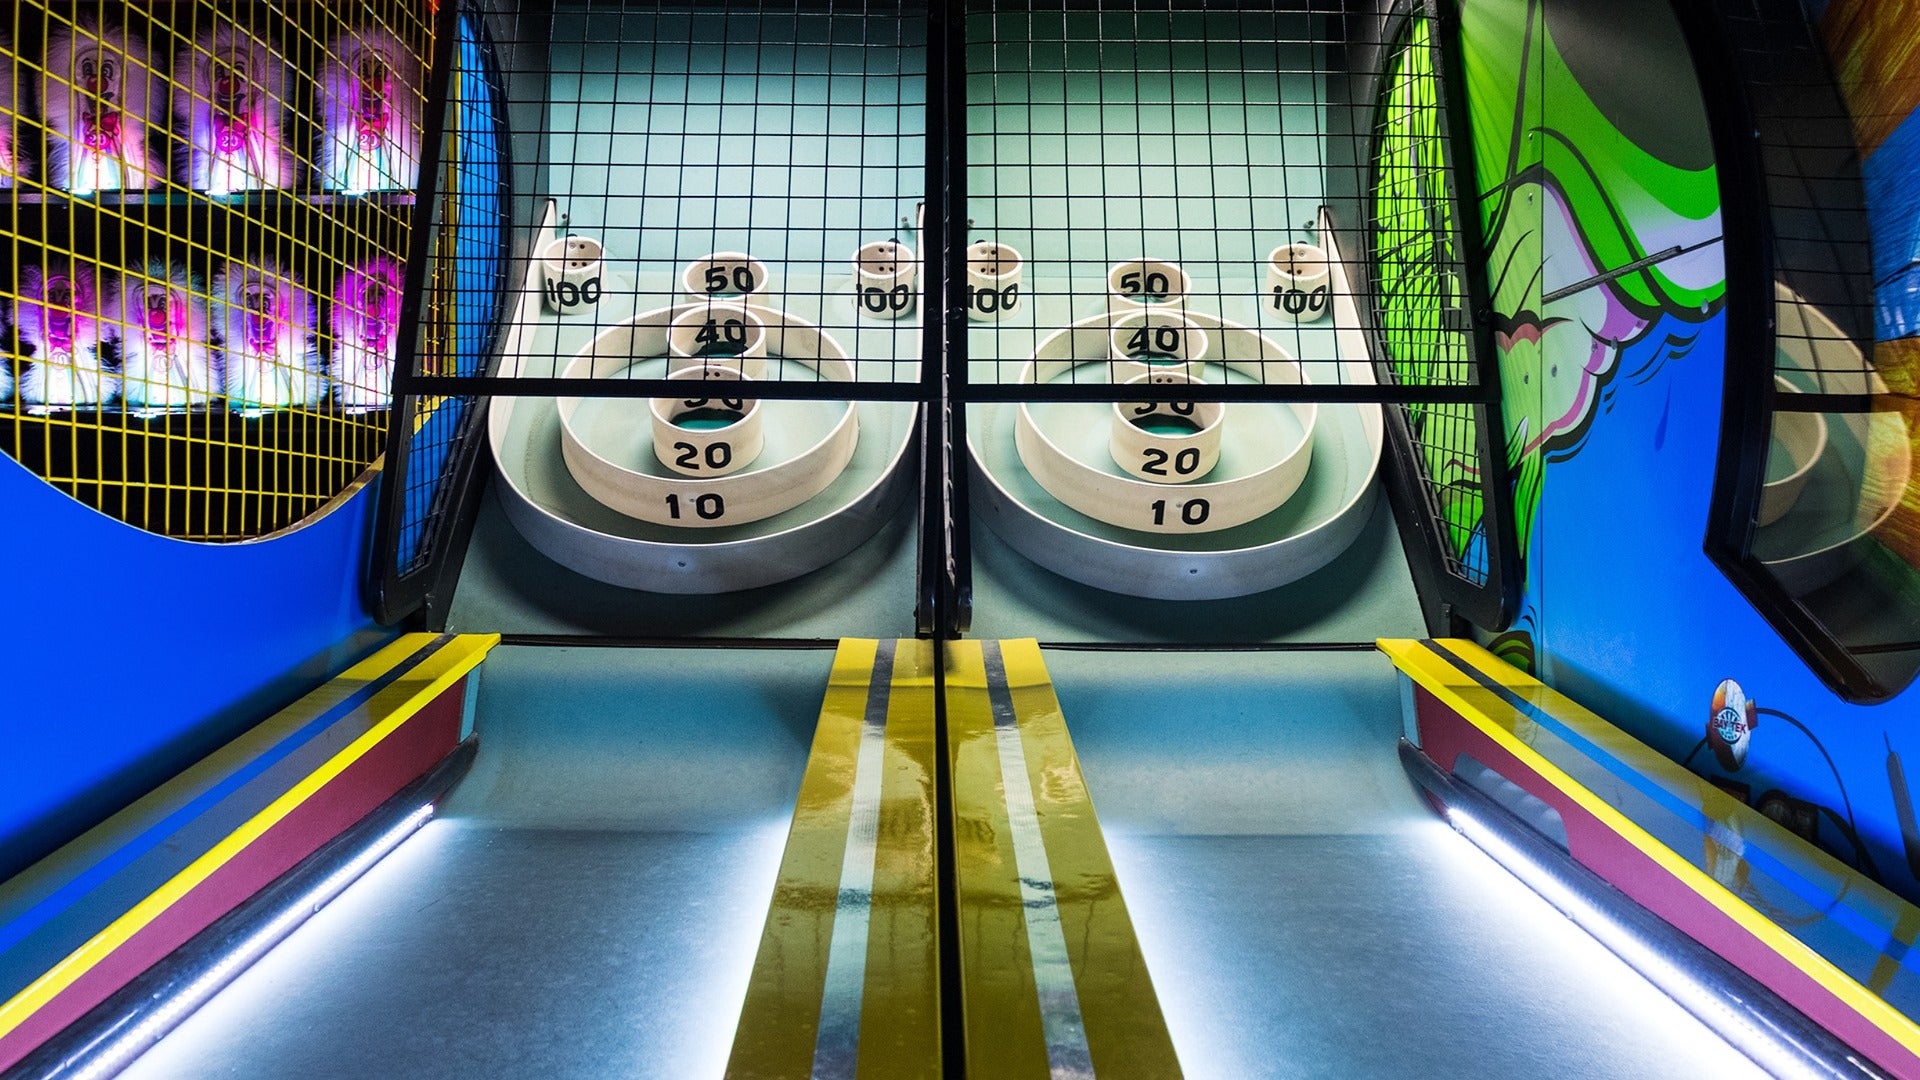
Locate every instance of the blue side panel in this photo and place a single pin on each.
(129, 655)
(1893, 200)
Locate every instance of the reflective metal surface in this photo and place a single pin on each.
(1305, 915)
(587, 907)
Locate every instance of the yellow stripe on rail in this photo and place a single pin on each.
(383, 715)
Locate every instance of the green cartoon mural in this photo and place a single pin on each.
(1599, 204)
(1602, 225)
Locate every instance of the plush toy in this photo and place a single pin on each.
(166, 359)
(13, 165)
(234, 119)
(58, 317)
(101, 100)
(370, 94)
(266, 328)
(366, 321)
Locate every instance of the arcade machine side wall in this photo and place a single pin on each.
(131, 655)
(1576, 113)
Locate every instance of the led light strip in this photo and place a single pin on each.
(112, 1057)
(1777, 1038)
(1437, 666)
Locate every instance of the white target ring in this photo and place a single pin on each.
(572, 275)
(1153, 341)
(1299, 283)
(716, 336)
(993, 280)
(707, 501)
(1094, 489)
(1166, 442)
(883, 277)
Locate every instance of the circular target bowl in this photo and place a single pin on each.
(546, 502)
(1312, 527)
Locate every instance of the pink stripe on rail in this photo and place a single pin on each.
(413, 748)
(1445, 735)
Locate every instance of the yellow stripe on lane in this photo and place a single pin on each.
(1001, 1006)
(1125, 1029)
(847, 982)
(780, 1018)
(1513, 732)
(900, 1018)
(1053, 979)
(54, 872)
(392, 707)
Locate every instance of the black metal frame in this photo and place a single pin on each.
(943, 592)
(1446, 597)
(400, 592)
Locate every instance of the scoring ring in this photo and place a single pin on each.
(732, 444)
(1182, 447)
(732, 276)
(1130, 503)
(754, 493)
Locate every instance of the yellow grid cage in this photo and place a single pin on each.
(208, 205)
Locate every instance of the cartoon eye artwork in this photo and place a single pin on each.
(99, 75)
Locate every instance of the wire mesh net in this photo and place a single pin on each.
(205, 204)
(751, 175)
(1164, 167)
(1419, 298)
(467, 264)
(1250, 203)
